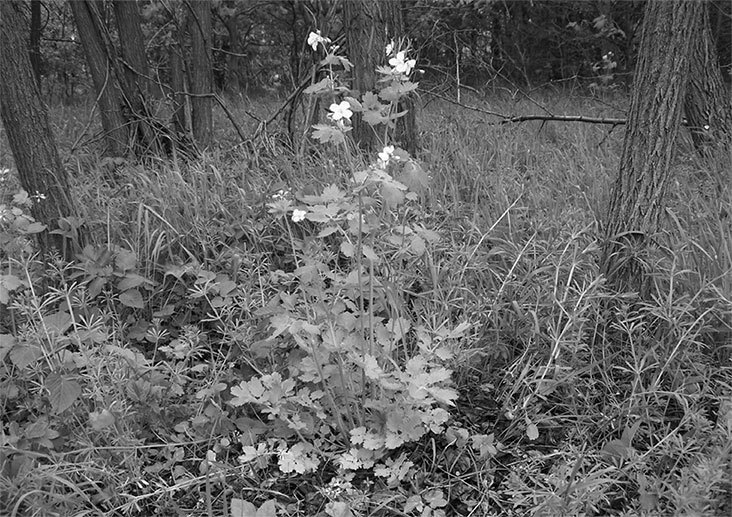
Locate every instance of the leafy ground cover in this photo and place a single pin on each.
(313, 331)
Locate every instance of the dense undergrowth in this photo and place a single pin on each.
(269, 332)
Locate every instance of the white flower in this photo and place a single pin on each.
(340, 111)
(298, 215)
(385, 155)
(401, 64)
(314, 39)
(390, 48)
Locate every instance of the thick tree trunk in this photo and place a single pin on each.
(369, 26)
(34, 45)
(201, 72)
(708, 105)
(637, 200)
(132, 44)
(25, 119)
(136, 84)
(101, 67)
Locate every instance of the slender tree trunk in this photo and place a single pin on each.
(25, 119)
(201, 72)
(34, 47)
(111, 100)
(637, 200)
(369, 27)
(707, 104)
(178, 85)
(234, 61)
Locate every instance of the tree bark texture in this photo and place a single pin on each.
(637, 200)
(25, 119)
(708, 105)
(201, 72)
(132, 44)
(106, 83)
(34, 40)
(369, 26)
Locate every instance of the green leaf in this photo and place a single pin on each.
(324, 134)
(132, 298)
(373, 117)
(131, 280)
(348, 249)
(7, 342)
(34, 227)
(324, 85)
(125, 260)
(392, 195)
(242, 508)
(24, 355)
(101, 419)
(414, 177)
(63, 392)
(338, 509)
(370, 254)
(57, 323)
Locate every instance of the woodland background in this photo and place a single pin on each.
(496, 281)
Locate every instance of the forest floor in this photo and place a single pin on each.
(253, 333)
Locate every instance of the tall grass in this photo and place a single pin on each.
(632, 399)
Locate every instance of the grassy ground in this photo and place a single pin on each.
(123, 375)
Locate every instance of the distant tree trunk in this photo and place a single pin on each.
(111, 99)
(369, 26)
(34, 47)
(234, 60)
(178, 85)
(637, 200)
(707, 104)
(201, 72)
(25, 119)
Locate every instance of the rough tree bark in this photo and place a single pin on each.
(34, 42)
(201, 72)
(25, 119)
(101, 67)
(707, 104)
(637, 199)
(132, 44)
(369, 26)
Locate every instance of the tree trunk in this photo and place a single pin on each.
(235, 79)
(707, 104)
(136, 84)
(369, 26)
(34, 46)
(114, 123)
(25, 119)
(178, 85)
(132, 44)
(201, 72)
(637, 200)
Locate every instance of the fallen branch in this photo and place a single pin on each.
(506, 119)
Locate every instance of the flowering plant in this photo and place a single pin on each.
(361, 379)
